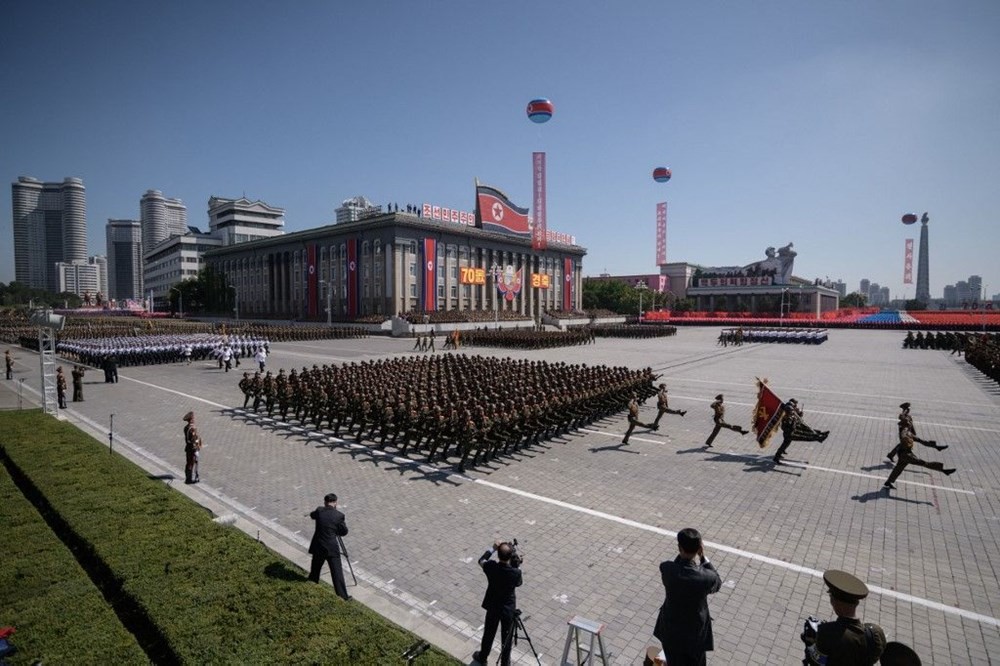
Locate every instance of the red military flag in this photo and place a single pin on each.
(768, 414)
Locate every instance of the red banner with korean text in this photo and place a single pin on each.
(429, 296)
(767, 415)
(567, 284)
(352, 277)
(908, 262)
(312, 282)
(539, 238)
(661, 233)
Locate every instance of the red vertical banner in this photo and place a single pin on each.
(661, 233)
(312, 282)
(352, 277)
(567, 284)
(430, 275)
(539, 237)
(908, 262)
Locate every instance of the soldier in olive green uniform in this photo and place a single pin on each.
(633, 419)
(906, 423)
(663, 406)
(719, 416)
(907, 457)
(845, 641)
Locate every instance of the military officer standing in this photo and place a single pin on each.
(663, 406)
(719, 417)
(78, 373)
(9, 362)
(61, 387)
(845, 641)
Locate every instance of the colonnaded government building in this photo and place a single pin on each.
(420, 260)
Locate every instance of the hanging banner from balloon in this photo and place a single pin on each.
(908, 262)
(661, 233)
(539, 235)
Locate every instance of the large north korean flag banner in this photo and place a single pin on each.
(312, 282)
(352, 277)
(567, 284)
(430, 275)
(495, 212)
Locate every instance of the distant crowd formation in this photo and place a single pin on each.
(981, 350)
(804, 336)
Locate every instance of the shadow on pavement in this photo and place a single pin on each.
(885, 494)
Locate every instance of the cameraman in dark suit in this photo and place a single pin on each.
(500, 601)
(325, 547)
(684, 626)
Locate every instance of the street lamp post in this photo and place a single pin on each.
(236, 301)
(180, 302)
(781, 315)
(641, 286)
(329, 309)
(496, 270)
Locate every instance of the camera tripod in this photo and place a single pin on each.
(343, 551)
(511, 639)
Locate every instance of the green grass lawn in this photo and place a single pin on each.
(194, 592)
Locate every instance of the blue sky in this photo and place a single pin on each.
(817, 123)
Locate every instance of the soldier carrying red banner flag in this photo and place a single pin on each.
(795, 429)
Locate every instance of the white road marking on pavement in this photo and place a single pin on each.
(274, 527)
(927, 603)
(793, 464)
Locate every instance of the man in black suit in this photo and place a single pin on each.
(684, 626)
(325, 545)
(500, 601)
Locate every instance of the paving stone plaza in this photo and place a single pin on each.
(595, 518)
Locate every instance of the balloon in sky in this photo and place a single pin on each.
(540, 110)
(909, 218)
(661, 174)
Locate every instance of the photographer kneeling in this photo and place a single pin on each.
(500, 601)
(845, 641)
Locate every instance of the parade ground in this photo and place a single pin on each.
(595, 518)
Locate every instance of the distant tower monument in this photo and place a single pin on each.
(923, 269)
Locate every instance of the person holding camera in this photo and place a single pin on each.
(500, 601)
(684, 626)
(325, 544)
(845, 641)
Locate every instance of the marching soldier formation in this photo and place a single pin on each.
(467, 408)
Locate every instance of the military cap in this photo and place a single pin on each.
(844, 586)
(905, 405)
(663, 386)
(793, 401)
(189, 416)
(898, 654)
(718, 397)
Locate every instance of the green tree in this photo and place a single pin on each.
(854, 300)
